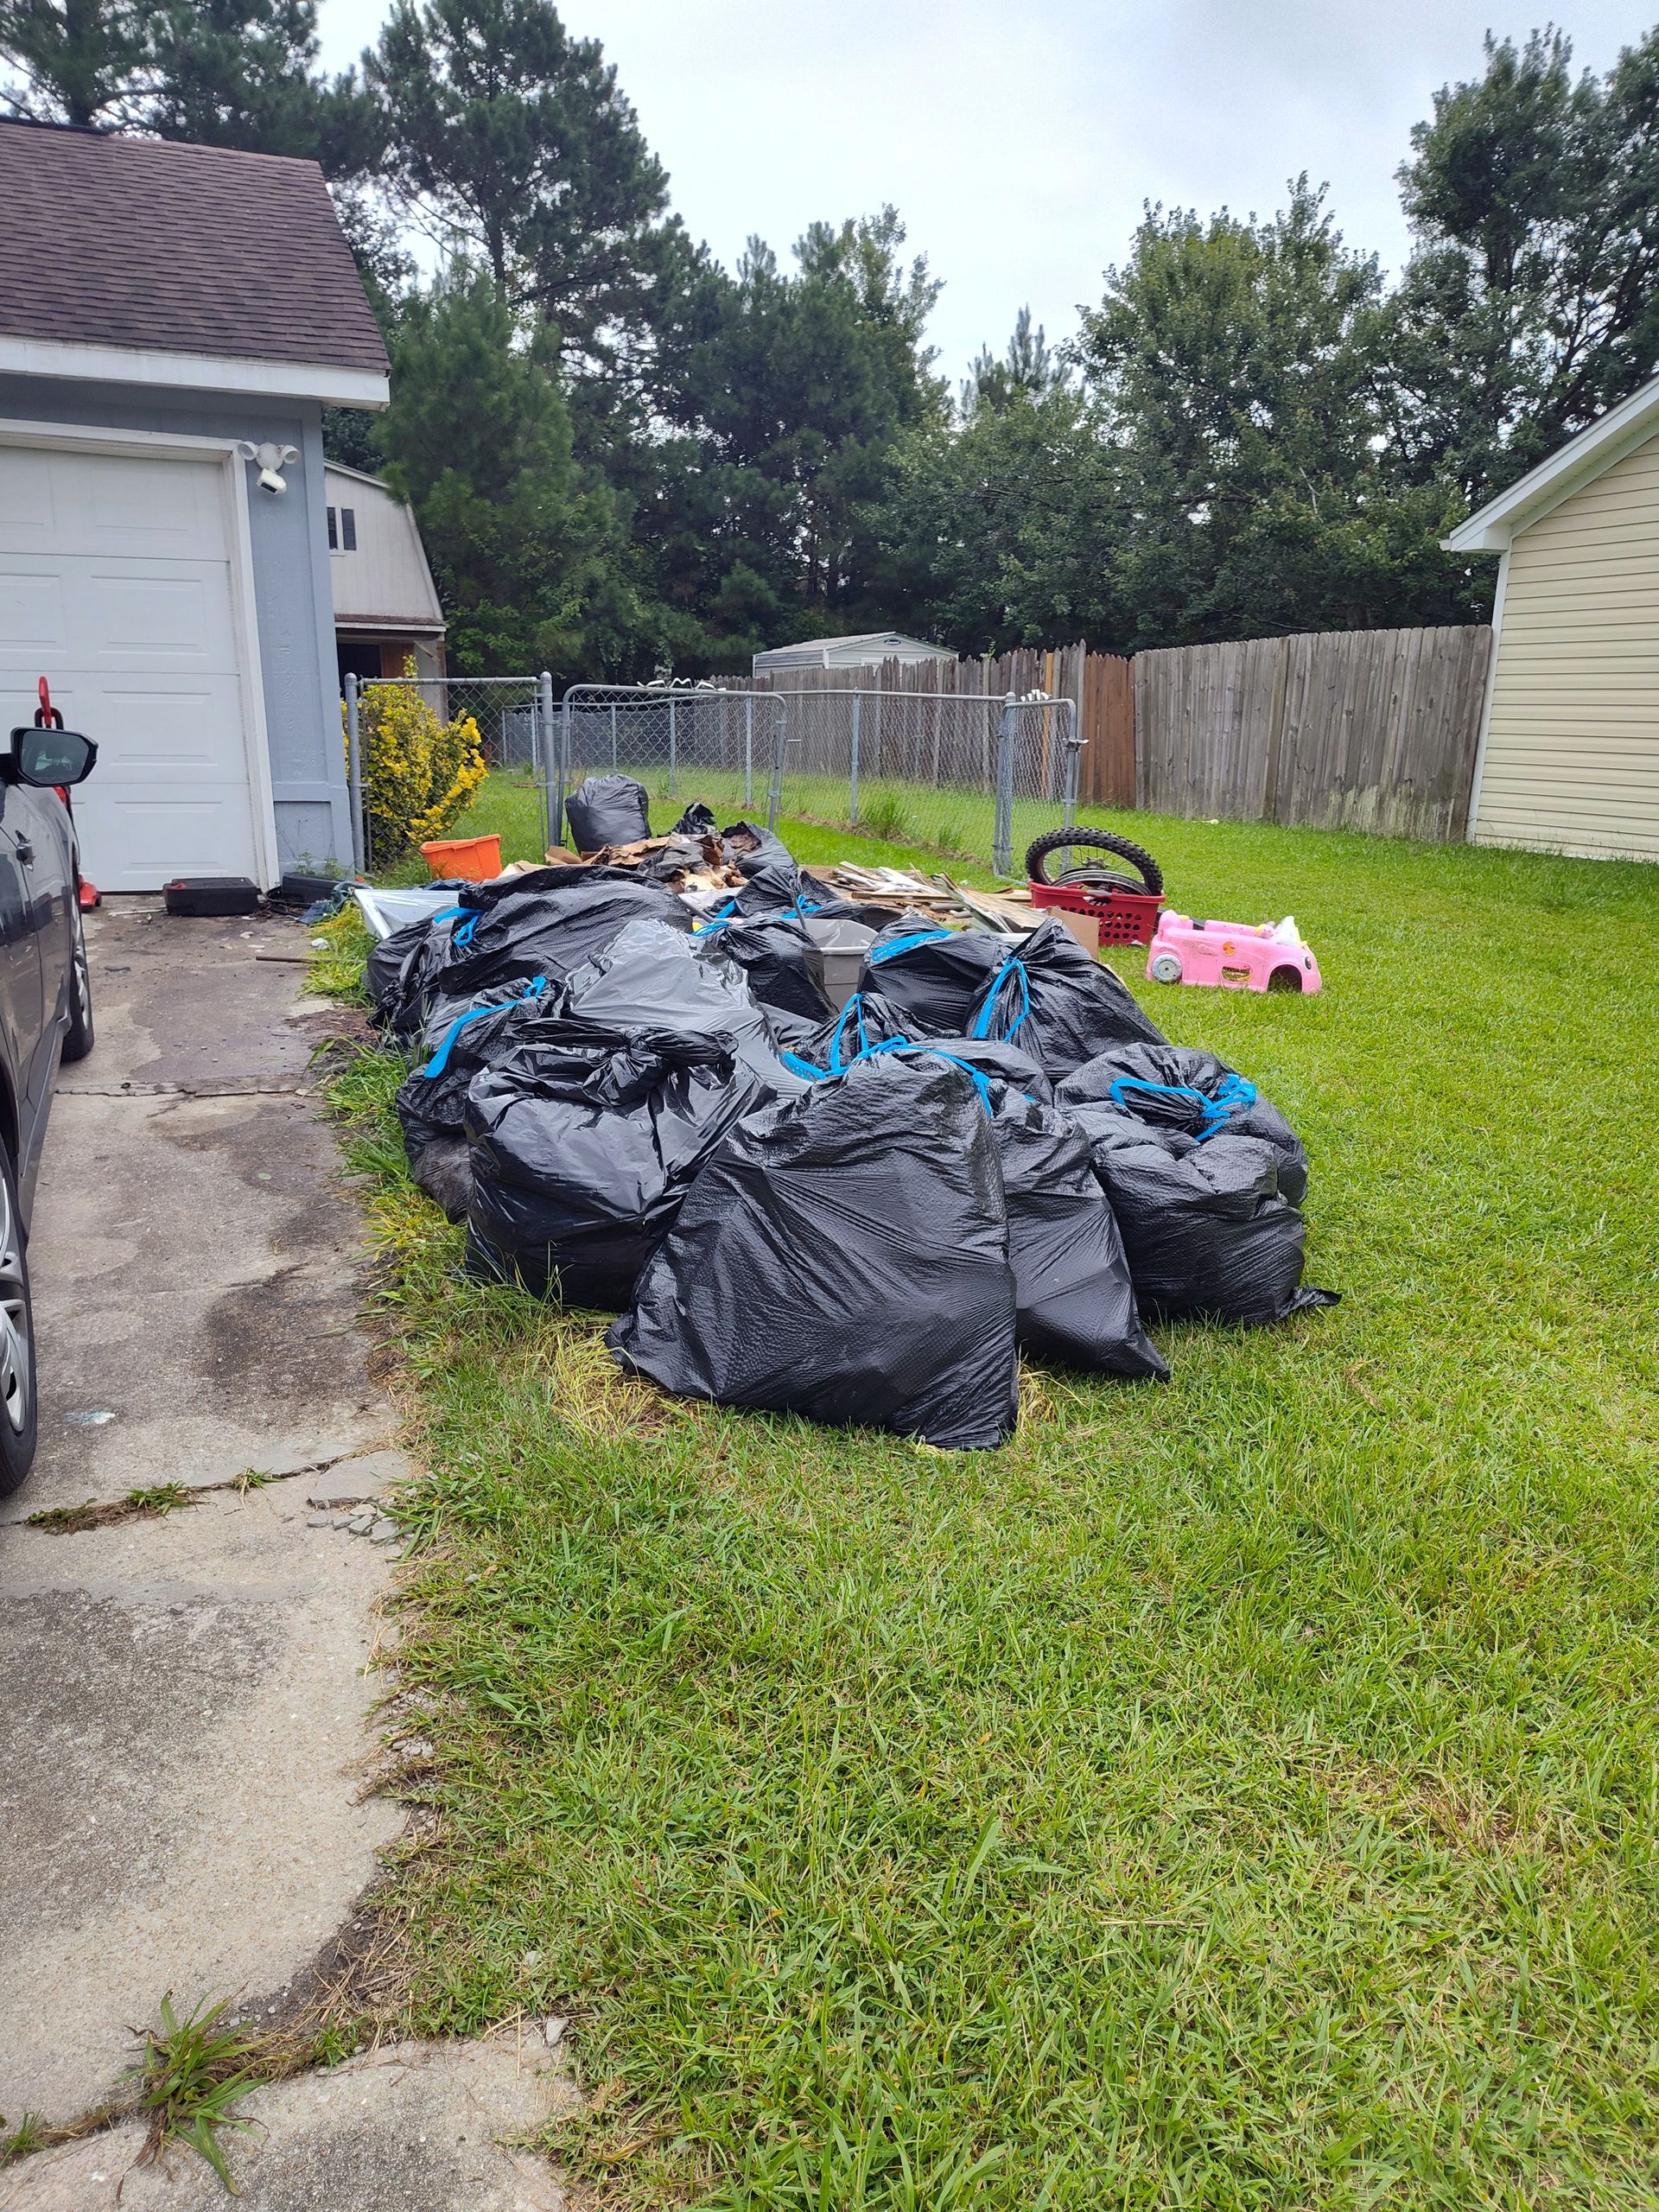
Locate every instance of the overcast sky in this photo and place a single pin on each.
(1018, 140)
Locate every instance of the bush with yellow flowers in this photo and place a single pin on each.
(418, 772)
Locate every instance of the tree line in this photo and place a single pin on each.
(625, 456)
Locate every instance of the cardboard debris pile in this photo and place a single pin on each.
(838, 1141)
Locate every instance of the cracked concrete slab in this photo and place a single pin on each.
(415, 2127)
(196, 1266)
(184, 1729)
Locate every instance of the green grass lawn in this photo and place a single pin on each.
(1241, 1794)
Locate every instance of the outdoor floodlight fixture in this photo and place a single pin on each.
(270, 461)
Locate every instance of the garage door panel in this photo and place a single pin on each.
(77, 502)
(150, 618)
(115, 584)
(154, 839)
(150, 615)
(32, 616)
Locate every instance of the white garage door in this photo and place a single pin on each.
(115, 584)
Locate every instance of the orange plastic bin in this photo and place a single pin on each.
(475, 860)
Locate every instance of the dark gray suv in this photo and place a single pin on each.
(45, 1015)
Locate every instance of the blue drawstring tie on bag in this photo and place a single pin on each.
(440, 1059)
(1232, 1096)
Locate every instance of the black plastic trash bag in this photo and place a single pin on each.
(750, 847)
(607, 811)
(778, 888)
(1176, 1088)
(698, 821)
(584, 1140)
(650, 977)
(844, 1254)
(932, 978)
(397, 970)
(1076, 1301)
(431, 1100)
(553, 920)
(1209, 1234)
(867, 1019)
(774, 952)
(1058, 1002)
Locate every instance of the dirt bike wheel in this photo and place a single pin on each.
(1151, 875)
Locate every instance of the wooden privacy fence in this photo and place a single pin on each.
(1338, 730)
(1355, 730)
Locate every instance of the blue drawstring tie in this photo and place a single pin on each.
(440, 1059)
(1012, 967)
(880, 952)
(1232, 1096)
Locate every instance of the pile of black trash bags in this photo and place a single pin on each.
(861, 1215)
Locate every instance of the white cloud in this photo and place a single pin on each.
(1019, 142)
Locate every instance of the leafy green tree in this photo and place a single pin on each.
(523, 543)
(788, 390)
(74, 60)
(1531, 301)
(512, 140)
(1235, 365)
(1028, 369)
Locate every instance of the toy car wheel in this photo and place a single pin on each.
(1165, 968)
(1284, 979)
(1146, 882)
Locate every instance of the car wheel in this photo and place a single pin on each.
(77, 1037)
(1165, 968)
(17, 1401)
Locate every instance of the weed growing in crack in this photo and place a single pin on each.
(21, 2141)
(189, 2078)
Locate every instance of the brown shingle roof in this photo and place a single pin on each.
(112, 241)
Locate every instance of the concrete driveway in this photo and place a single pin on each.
(184, 1725)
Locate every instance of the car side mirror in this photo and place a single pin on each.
(47, 757)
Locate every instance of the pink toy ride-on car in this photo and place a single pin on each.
(1235, 956)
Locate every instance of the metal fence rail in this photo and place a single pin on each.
(961, 773)
(682, 741)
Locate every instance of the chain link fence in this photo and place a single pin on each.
(977, 775)
(973, 776)
(512, 721)
(682, 741)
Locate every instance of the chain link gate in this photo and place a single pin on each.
(513, 717)
(682, 741)
(966, 773)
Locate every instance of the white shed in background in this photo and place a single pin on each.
(867, 649)
(386, 607)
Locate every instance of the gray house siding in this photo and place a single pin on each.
(293, 597)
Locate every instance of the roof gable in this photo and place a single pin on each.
(1492, 528)
(149, 246)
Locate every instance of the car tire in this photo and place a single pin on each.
(77, 1038)
(1165, 968)
(19, 1406)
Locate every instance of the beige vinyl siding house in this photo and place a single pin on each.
(1569, 749)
